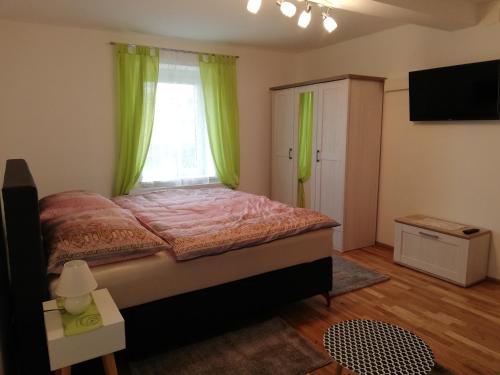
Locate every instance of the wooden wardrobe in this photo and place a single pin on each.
(347, 126)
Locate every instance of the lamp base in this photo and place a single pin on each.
(77, 305)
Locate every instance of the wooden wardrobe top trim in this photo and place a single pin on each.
(329, 79)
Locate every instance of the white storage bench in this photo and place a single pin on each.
(440, 248)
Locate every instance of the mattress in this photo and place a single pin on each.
(159, 276)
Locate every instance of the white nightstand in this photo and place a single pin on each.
(65, 351)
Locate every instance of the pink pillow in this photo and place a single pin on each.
(101, 236)
(67, 202)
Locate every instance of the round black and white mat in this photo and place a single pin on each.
(370, 347)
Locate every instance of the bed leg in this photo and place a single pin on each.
(327, 297)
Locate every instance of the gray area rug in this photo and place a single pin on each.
(271, 347)
(349, 276)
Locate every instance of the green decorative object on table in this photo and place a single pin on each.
(88, 320)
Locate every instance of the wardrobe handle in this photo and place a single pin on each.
(317, 156)
(290, 153)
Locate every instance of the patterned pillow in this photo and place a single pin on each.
(67, 202)
(100, 236)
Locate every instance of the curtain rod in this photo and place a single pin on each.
(174, 49)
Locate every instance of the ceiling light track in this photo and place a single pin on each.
(289, 9)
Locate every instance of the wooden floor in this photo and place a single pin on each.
(462, 326)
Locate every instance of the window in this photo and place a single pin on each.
(179, 152)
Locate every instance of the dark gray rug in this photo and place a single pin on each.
(271, 347)
(349, 276)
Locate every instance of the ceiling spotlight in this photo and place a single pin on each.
(305, 17)
(253, 6)
(288, 8)
(329, 23)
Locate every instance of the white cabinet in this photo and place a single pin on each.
(347, 121)
(65, 351)
(444, 253)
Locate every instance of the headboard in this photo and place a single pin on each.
(5, 312)
(28, 270)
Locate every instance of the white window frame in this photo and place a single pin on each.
(187, 60)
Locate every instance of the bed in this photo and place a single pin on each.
(255, 279)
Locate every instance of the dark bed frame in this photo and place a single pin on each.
(150, 327)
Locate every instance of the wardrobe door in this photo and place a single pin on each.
(304, 139)
(283, 151)
(331, 139)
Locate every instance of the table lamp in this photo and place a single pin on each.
(75, 284)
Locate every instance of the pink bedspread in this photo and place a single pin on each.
(210, 221)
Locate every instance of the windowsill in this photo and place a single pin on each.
(148, 189)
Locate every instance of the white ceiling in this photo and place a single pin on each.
(228, 21)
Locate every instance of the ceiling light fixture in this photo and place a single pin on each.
(253, 6)
(329, 23)
(289, 9)
(305, 17)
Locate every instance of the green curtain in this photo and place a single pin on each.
(137, 78)
(218, 77)
(306, 106)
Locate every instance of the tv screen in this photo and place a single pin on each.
(462, 92)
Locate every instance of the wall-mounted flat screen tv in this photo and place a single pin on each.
(456, 93)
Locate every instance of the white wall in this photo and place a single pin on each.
(449, 170)
(57, 106)
(57, 111)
